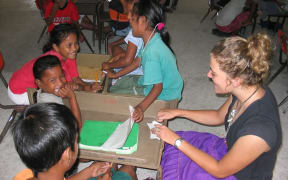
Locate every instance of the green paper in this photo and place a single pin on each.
(95, 133)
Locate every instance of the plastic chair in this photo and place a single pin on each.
(213, 6)
(16, 108)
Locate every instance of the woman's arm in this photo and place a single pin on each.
(207, 117)
(245, 150)
(148, 100)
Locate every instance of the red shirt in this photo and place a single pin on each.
(67, 15)
(24, 78)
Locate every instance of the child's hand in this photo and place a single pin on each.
(106, 176)
(111, 75)
(138, 114)
(98, 168)
(96, 87)
(72, 85)
(66, 92)
(105, 66)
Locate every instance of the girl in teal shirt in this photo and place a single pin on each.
(161, 79)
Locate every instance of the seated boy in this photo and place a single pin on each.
(51, 81)
(46, 139)
(60, 12)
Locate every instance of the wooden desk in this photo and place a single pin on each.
(111, 107)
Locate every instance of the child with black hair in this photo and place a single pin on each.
(46, 139)
(61, 12)
(41, 127)
(161, 79)
(63, 43)
(51, 81)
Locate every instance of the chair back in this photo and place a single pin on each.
(283, 41)
(1, 67)
(1, 62)
(32, 95)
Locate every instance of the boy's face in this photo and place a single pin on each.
(52, 80)
(69, 47)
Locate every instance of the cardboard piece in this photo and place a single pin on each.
(90, 67)
(110, 107)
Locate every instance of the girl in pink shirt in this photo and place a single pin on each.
(63, 43)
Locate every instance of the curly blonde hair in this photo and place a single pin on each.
(247, 59)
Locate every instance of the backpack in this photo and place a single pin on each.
(119, 20)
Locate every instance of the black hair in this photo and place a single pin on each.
(58, 34)
(43, 133)
(44, 63)
(154, 14)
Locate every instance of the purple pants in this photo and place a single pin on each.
(177, 166)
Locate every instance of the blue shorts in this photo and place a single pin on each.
(123, 32)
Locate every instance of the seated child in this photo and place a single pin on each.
(60, 12)
(124, 56)
(46, 139)
(161, 79)
(63, 43)
(51, 81)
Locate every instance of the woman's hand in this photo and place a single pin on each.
(166, 134)
(98, 168)
(138, 114)
(166, 114)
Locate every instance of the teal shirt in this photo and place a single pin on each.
(159, 66)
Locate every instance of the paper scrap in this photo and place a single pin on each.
(151, 126)
(121, 133)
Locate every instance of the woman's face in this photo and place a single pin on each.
(68, 48)
(220, 79)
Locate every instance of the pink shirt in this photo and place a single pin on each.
(24, 78)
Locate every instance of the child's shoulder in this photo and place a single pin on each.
(24, 175)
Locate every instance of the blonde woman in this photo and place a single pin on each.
(253, 132)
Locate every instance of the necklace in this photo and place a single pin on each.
(234, 111)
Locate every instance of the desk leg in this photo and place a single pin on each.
(159, 173)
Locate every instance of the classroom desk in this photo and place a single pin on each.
(88, 7)
(111, 107)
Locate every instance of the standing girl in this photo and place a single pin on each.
(63, 43)
(161, 79)
(253, 131)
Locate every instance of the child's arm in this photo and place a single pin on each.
(93, 170)
(148, 100)
(84, 86)
(115, 43)
(50, 18)
(123, 61)
(135, 64)
(66, 92)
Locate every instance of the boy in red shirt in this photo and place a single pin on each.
(60, 12)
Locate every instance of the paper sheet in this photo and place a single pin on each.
(151, 126)
(119, 136)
